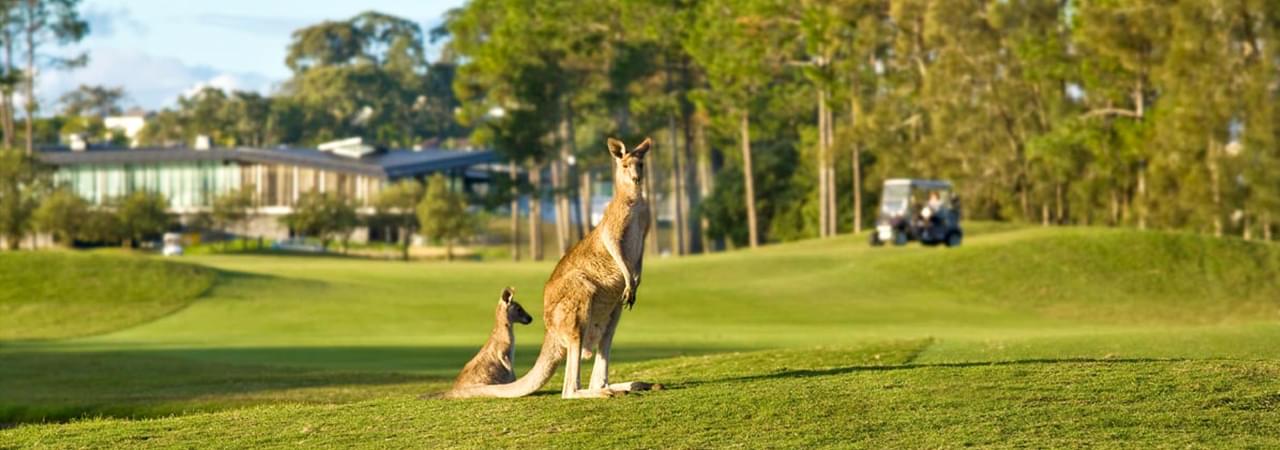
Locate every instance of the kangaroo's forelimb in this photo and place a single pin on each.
(613, 245)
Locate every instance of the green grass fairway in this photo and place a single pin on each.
(1020, 338)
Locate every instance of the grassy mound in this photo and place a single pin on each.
(58, 295)
(1111, 276)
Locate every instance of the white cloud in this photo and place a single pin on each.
(228, 82)
(149, 81)
(105, 21)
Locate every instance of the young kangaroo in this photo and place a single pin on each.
(493, 364)
(583, 299)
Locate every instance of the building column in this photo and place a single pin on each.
(257, 176)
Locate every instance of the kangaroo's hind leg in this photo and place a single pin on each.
(600, 369)
(579, 292)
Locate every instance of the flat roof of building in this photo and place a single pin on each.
(389, 164)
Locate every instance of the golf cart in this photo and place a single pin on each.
(917, 210)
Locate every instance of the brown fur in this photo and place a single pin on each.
(584, 297)
(492, 365)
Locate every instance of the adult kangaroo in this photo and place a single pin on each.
(583, 299)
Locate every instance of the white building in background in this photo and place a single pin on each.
(130, 124)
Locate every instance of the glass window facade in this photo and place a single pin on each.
(194, 185)
(186, 185)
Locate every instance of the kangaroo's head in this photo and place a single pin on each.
(511, 310)
(628, 166)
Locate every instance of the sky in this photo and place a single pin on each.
(160, 49)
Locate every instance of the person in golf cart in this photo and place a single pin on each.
(903, 217)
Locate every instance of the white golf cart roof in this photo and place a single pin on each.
(931, 185)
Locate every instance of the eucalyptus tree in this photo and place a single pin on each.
(503, 87)
(22, 179)
(40, 23)
(61, 214)
(1208, 122)
(359, 76)
(399, 202)
(96, 101)
(1121, 46)
(736, 77)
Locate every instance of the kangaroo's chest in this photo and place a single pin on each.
(633, 236)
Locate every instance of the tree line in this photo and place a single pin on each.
(779, 119)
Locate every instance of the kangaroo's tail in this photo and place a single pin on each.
(548, 360)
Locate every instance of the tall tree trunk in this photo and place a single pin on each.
(585, 190)
(1266, 226)
(753, 236)
(1139, 107)
(1126, 202)
(577, 228)
(857, 167)
(1024, 198)
(1141, 201)
(1115, 206)
(652, 240)
(562, 230)
(705, 180)
(690, 238)
(535, 212)
(1246, 230)
(405, 240)
(822, 163)
(6, 109)
(1044, 214)
(1060, 205)
(833, 211)
(31, 76)
(677, 236)
(1215, 187)
(515, 211)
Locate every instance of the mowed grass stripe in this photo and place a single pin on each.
(1105, 404)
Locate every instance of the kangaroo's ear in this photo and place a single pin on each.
(508, 294)
(617, 148)
(641, 149)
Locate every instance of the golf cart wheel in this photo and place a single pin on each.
(953, 239)
(875, 239)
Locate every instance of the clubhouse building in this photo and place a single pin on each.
(190, 178)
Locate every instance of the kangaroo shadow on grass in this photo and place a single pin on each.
(50, 383)
(809, 373)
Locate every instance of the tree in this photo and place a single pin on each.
(1119, 63)
(95, 101)
(323, 216)
(62, 214)
(142, 214)
(360, 77)
(42, 22)
(22, 179)
(101, 225)
(736, 77)
(230, 209)
(398, 202)
(443, 214)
